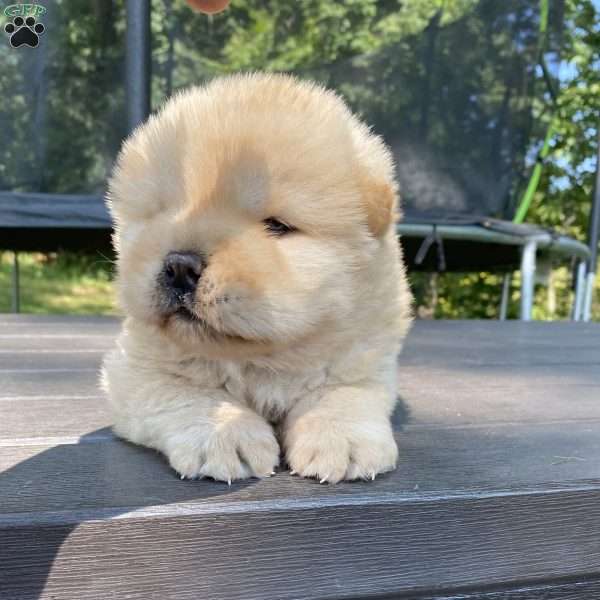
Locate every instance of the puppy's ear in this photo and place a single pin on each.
(377, 181)
(380, 200)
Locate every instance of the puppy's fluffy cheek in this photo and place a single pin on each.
(317, 286)
(139, 264)
(322, 272)
(136, 289)
(265, 318)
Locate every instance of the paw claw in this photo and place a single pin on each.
(242, 448)
(346, 451)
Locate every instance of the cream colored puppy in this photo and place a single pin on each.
(260, 274)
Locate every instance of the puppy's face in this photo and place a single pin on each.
(246, 214)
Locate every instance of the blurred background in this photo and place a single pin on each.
(456, 88)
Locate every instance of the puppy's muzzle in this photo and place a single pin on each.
(181, 273)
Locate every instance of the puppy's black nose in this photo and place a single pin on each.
(182, 270)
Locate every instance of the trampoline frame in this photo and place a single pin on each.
(554, 245)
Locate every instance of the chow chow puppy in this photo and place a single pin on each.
(262, 283)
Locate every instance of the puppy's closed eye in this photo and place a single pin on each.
(276, 227)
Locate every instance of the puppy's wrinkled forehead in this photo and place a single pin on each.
(222, 146)
(262, 144)
(256, 163)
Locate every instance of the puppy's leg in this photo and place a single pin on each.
(344, 432)
(203, 433)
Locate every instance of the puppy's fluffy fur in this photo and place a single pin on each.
(289, 343)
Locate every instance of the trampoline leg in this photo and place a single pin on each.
(505, 294)
(527, 279)
(16, 292)
(587, 296)
(578, 300)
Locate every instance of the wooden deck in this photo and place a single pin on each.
(497, 494)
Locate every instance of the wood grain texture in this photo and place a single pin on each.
(497, 492)
(572, 590)
(101, 472)
(301, 550)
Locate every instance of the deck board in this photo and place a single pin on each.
(496, 495)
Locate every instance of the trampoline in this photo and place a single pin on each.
(466, 99)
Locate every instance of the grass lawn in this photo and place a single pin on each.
(69, 283)
(59, 284)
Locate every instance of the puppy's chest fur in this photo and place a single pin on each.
(269, 393)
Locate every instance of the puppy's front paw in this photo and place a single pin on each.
(235, 448)
(332, 451)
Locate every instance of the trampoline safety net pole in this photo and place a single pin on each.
(137, 62)
(535, 177)
(593, 238)
(527, 197)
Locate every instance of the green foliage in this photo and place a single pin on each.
(563, 198)
(477, 296)
(61, 284)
